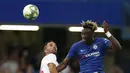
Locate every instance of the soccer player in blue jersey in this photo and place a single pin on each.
(90, 51)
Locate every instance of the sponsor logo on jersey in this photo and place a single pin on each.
(93, 54)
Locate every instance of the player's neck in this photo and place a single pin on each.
(49, 53)
(90, 41)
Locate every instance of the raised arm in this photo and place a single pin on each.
(115, 45)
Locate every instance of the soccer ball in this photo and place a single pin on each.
(30, 12)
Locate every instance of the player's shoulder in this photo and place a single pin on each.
(101, 39)
(51, 55)
(77, 43)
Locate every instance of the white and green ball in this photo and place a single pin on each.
(30, 12)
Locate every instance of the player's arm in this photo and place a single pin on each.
(70, 55)
(115, 45)
(51, 62)
(52, 68)
(63, 64)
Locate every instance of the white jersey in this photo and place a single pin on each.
(50, 58)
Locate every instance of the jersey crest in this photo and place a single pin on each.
(95, 47)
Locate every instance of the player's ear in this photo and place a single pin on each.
(45, 49)
(94, 34)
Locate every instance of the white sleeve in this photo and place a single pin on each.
(51, 58)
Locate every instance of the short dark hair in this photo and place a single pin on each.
(47, 43)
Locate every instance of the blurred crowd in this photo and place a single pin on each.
(19, 61)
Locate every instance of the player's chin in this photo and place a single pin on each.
(55, 52)
(84, 39)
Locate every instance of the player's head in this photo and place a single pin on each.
(88, 30)
(50, 47)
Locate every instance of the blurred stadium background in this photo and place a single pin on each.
(21, 51)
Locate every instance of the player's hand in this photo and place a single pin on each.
(105, 26)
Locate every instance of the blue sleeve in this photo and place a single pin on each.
(72, 52)
(106, 43)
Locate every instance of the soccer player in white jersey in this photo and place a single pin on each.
(49, 61)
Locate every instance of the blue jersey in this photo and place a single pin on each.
(90, 57)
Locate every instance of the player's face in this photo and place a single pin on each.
(87, 34)
(51, 47)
